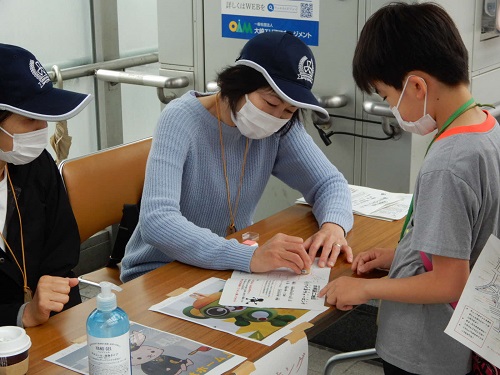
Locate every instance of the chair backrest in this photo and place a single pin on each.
(99, 184)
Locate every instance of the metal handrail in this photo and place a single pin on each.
(383, 109)
(106, 71)
(495, 112)
(160, 82)
(142, 79)
(90, 69)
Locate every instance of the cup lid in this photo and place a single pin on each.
(13, 340)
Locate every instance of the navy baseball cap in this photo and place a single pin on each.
(26, 89)
(288, 65)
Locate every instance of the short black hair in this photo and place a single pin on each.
(400, 37)
(238, 80)
(4, 115)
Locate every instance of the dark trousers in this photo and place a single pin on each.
(393, 370)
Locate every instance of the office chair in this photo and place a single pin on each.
(99, 185)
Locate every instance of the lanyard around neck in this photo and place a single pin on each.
(27, 291)
(231, 228)
(465, 107)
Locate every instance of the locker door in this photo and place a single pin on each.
(338, 25)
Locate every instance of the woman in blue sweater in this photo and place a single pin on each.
(212, 156)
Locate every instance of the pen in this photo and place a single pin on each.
(81, 279)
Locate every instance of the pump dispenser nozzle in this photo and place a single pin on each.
(106, 300)
(108, 335)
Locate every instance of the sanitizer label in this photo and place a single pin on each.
(110, 355)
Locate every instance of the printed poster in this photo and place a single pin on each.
(200, 305)
(157, 352)
(476, 319)
(243, 19)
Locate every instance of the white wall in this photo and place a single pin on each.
(60, 32)
(138, 33)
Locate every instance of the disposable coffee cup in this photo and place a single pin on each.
(14, 351)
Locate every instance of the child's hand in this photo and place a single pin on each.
(345, 292)
(373, 258)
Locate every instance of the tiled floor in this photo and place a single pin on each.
(318, 355)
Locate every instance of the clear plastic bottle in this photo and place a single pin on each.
(108, 329)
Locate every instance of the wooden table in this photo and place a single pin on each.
(141, 293)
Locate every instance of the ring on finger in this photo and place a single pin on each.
(337, 244)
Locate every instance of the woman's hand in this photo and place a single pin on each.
(281, 251)
(371, 259)
(330, 238)
(52, 293)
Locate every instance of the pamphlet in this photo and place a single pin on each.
(280, 288)
(375, 203)
(476, 319)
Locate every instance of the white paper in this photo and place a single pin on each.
(153, 348)
(393, 211)
(375, 203)
(366, 200)
(200, 304)
(288, 358)
(281, 288)
(476, 319)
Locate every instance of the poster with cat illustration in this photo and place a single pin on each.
(154, 352)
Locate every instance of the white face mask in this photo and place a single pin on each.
(424, 125)
(26, 146)
(255, 123)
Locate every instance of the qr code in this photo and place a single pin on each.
(306, 10)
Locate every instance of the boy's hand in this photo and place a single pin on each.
(345, 292)
(372, 259)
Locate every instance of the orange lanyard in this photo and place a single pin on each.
(231, 228)
(28, 296)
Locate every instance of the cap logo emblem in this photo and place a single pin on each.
(39, 73)
(306, 69)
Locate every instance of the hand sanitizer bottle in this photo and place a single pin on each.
(108, 335)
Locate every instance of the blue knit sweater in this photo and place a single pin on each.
(184, 210)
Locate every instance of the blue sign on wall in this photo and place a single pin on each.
(246, 27)
(243, 19)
